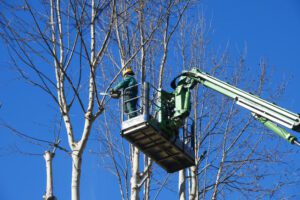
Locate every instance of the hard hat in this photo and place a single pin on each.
(128, 71)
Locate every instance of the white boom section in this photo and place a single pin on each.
(251, 102)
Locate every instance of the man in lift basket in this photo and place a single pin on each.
(130, 91)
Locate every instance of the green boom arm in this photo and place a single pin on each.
(265, 112)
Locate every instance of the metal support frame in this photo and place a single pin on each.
(145, 102)
(146, 132)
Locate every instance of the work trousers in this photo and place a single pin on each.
(130, 107)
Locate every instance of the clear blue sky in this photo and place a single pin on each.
(269, 28)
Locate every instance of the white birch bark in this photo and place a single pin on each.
(181, 185)
(76, 172)
(48, 156)
(147, 162)
(135, 174)
(193, 184)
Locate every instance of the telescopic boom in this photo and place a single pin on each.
(265, 112)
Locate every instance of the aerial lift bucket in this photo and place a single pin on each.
(145, 131)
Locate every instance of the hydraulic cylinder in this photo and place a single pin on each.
(276, 129)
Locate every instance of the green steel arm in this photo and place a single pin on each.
(269, 113)
(276, 129)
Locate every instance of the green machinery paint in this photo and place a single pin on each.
(276, 129)
(265, 112)
(163, 116)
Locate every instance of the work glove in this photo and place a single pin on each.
(111, 91)
(114, 94)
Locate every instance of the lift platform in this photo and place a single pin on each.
(171, 154)
(145, 131)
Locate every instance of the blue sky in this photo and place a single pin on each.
(269, 29)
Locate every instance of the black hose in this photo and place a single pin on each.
(173, 83)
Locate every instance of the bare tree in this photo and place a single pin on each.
(73, 49)
(55, 33)
(49, 186)
(142, 28)
(225, 145)
(218, 130)
(48, 155)
(76, 41)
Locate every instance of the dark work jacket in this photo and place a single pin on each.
(129, 86)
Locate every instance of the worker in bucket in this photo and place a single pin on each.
(130, 91)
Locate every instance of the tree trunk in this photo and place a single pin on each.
(193, 193)
(147, 162)
(76, 171)
(49, 187)
(181, 185)
(193, 184)
(135, 175)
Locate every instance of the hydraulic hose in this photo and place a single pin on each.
(296, 142)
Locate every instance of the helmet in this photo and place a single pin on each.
(128, 71)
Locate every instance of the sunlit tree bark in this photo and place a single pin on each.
(73, 49)
(57, 38)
